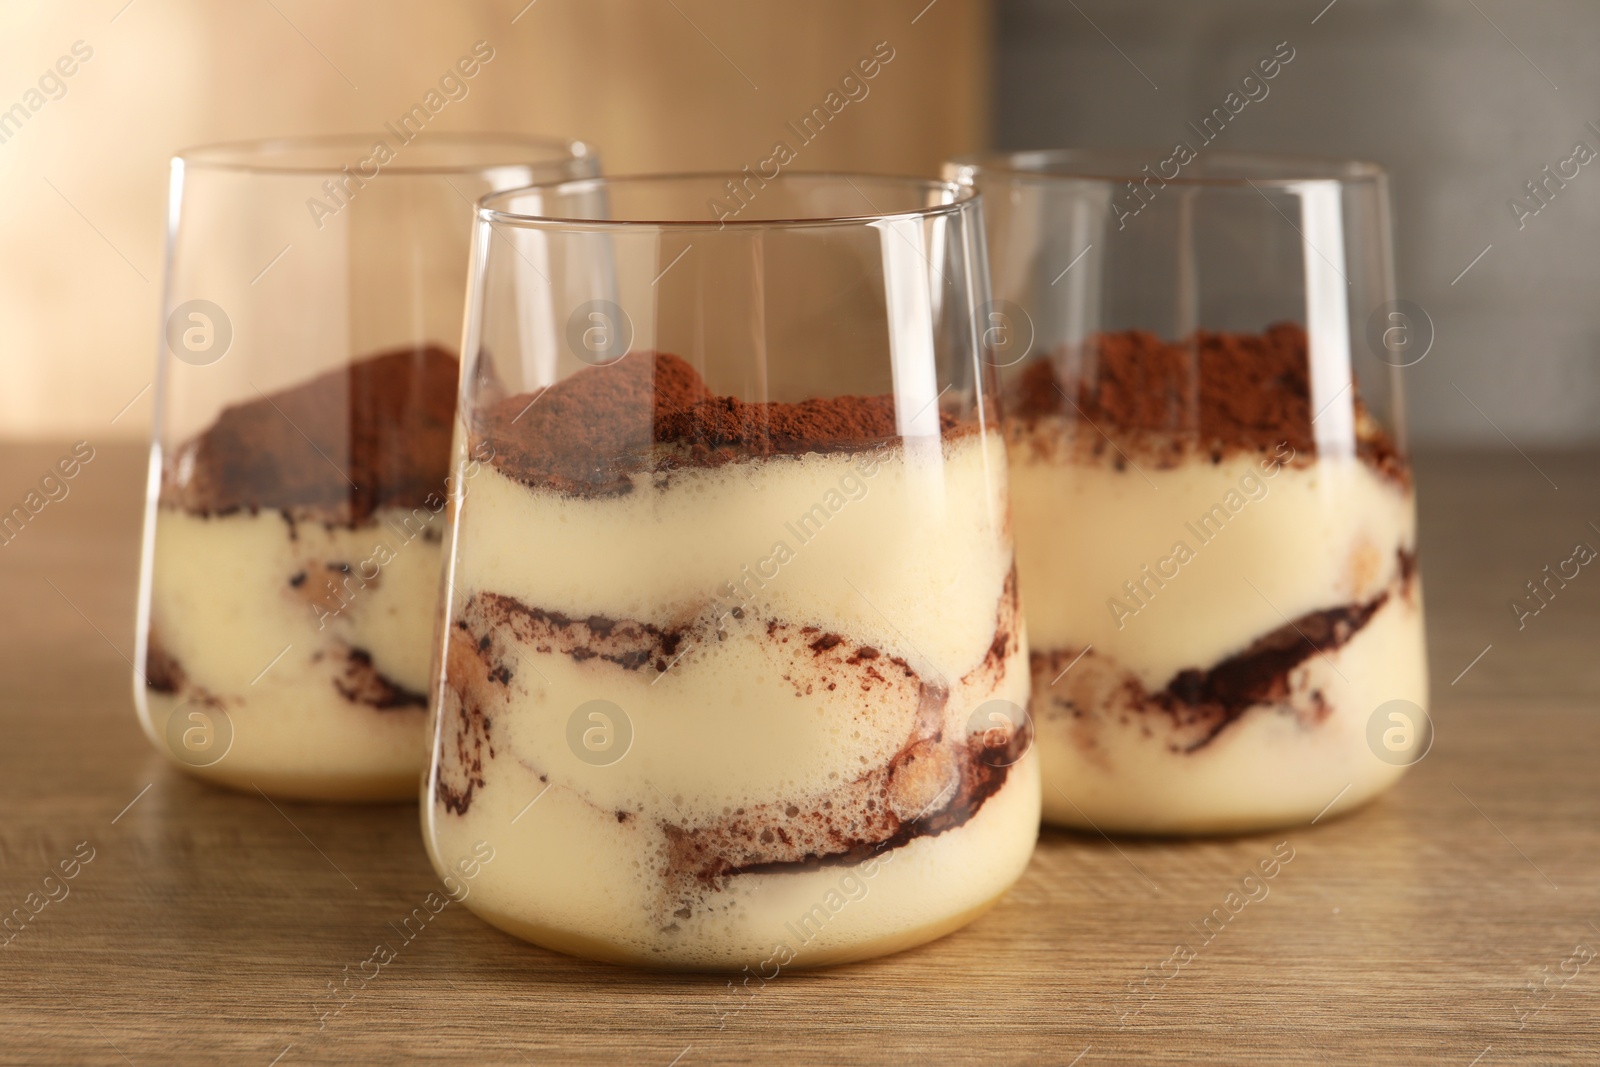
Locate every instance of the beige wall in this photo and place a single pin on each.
(83, 210)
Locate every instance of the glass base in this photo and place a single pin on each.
(1179, 824)
(592, 948)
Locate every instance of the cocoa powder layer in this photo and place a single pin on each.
(651, 412)
(373, 434)
(1213, 395)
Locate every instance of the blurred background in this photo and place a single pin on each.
(1464, 101)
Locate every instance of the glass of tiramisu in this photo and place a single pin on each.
(1201, 358)
(731, 673)
(306, 393)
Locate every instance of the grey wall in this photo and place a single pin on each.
(1428, 88)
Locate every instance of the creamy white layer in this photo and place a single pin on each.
(1163, 570)
(1306, 538)
(907, 557)
(260, 618)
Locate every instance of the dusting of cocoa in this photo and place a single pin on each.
(1214, 394)
(373, 434)
(651, 412)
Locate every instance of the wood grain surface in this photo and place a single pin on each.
(1449, 923)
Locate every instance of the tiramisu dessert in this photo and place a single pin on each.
(715, 675)
(1221, 582)
(293, 575)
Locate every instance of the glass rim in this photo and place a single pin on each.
(269, 155)
(960, 197)
(1115, 165)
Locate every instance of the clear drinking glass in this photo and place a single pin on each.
(732, 673)
(1214, 511)
(305, 397)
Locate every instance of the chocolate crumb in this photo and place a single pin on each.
(825, 642)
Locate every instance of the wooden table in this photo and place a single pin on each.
(209, 925)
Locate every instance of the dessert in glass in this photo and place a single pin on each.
(732, 673)
(1214, 512)
(306, 395)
